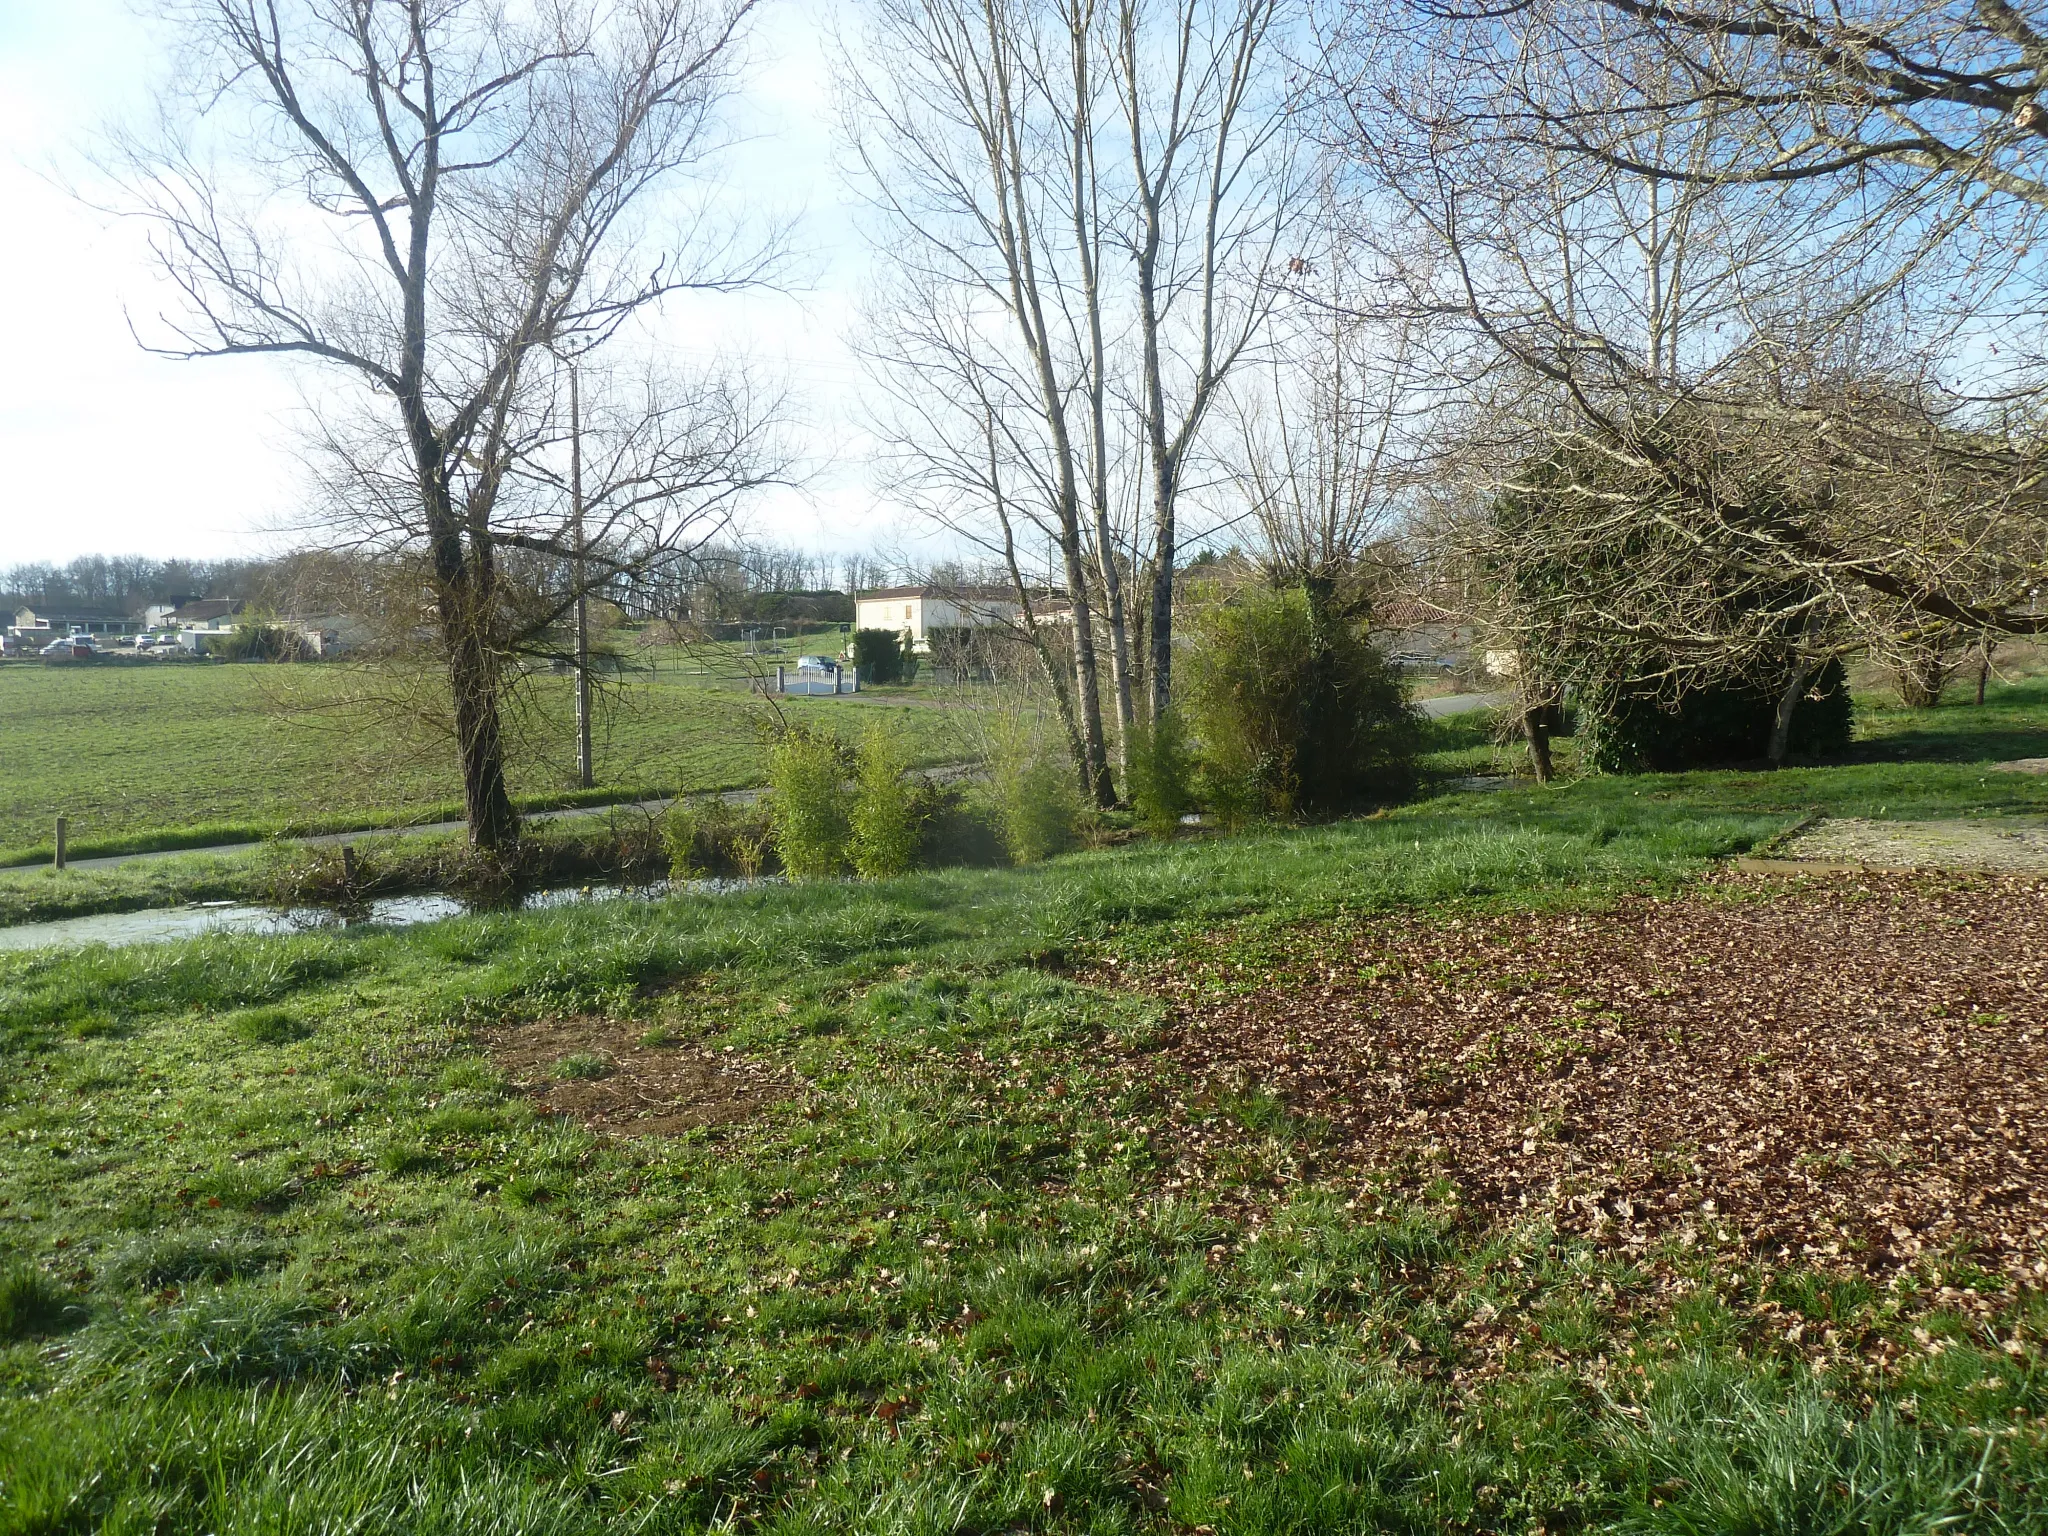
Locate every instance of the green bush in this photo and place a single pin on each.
(716, 837)
(1160, 774)
(1579, 523)
(809, 805)
(1038, 805)
(681, 826)
(1292, 709)
(1635, 729)
(884, 817)
(259, 642)
(878, 655)
(955, 830)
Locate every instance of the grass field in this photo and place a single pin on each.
(183, 755)
(293, 1239)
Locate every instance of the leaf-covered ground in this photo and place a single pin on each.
(1846, 1071)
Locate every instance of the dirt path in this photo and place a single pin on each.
(1847, 1069)
(2012, 844)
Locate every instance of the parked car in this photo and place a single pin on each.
(816, 664)
(71, 645)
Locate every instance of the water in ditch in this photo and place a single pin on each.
(162, 923)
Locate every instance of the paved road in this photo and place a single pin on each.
(1462, 704)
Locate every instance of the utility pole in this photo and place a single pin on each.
(582, 595)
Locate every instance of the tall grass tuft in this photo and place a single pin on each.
(1037, 803)
(809, 804)
(33, 1304)
(884, 817)
(1160, 774)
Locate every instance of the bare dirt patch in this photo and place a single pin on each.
(2019, 846)
(602, 1072)
(1849, 1069)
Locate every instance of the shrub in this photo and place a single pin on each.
(1921, 672)
(1635, 729)
(260, 642)
(879, 655)
(679, 832)
(1293, 709)
(1160, 773)
(809, 804)
(953, 830)
(1038, 806)
(884, 815)
(715, 837)
(1576, 536)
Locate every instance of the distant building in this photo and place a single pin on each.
(205, 610)
(54, 622)
(201, 639)
(326, 634)
(1420, 633)
(934, 612)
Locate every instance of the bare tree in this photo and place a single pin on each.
(435, 201)
(1081, 202)
(1214, 190)
(1329, 437)
(976, 140)
(1760, 264)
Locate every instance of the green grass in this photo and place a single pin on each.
(300, 1258)
(181, 756)
(1904, 765)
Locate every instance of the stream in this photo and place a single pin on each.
(160, 923)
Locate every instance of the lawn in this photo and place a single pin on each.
(178, 755)
(1012, 1200)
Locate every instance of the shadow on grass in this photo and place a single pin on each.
(2011, 723)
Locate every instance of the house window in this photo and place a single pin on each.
(906, 613)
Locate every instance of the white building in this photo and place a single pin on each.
(923, 611)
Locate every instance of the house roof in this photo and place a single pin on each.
(208, 608)
(53, 612)
(969, 593)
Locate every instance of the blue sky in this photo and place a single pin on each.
(106, 449)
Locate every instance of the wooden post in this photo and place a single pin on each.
(63, 831)
(348, 868)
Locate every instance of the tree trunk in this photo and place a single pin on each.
(463, 603)
(1983, 666)
(472, 678)
(1921, 676)
(1803, 671)
(1095, 777)
(1034, 635)
(1160, 619)
(1536, 727)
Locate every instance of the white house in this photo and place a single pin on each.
(924, 611)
